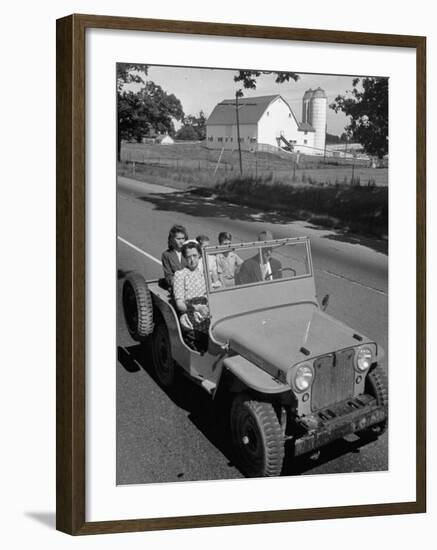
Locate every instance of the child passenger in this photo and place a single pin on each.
(228, 263)
(203, 240)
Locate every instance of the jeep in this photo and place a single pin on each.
(296, 377)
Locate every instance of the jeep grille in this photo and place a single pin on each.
(333, 379)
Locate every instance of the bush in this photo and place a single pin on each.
(363, 209)
(187, 133)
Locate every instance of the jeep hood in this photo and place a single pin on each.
(283, 336)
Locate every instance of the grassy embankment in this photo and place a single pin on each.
(351, 208)
(323, 194)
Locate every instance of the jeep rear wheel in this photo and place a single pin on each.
(165, 368)
(376, 386)
(137, 307)
(257, 437)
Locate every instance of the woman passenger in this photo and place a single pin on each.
(191, 301)
(172, 258)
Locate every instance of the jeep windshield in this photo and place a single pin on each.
(256, 263)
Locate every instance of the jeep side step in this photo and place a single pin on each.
(208, 386)
(203, 382)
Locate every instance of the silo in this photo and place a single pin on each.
(317, 119)
(305, 105)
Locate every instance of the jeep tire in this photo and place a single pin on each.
(137, 307)
(164, 365)
(376, 386)
(257, 437)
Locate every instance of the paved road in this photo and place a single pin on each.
(163, 437)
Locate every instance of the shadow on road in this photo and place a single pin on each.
(205, 207)
(209, 418)
(122, 274)
(213, 420)
(304, 464)
(128, 359)
(378, 245)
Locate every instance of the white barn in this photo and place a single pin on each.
(265, 120)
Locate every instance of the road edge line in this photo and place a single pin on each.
(139, 250)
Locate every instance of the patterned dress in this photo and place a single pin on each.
(189, 286)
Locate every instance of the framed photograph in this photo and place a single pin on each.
(240, 274)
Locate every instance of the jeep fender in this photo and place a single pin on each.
(253, 377)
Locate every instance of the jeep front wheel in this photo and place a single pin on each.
(376, 386)
(165, 368)
(257, 437)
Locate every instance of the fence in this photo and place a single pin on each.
(267, 160)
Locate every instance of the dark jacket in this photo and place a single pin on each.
(250, 271)
(170, 264)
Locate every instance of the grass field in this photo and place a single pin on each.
(196, 165)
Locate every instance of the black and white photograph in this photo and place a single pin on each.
(252, 273)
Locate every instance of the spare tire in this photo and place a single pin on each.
(137, 307)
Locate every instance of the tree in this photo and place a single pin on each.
(129, 121)
(198, 123)
(127, 73)
(187, 133)
(367, 108)
(151, 108)
(248, 78)
(159, 108)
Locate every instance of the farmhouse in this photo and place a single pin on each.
(268, 123)
(164, 139)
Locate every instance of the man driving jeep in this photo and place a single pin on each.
(260, 267)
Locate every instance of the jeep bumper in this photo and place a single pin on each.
(334, 422)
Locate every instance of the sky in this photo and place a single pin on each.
(201, 89)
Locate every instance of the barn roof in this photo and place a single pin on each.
(305, 127)
(250, 110)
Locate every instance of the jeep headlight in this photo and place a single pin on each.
(303, 378)
(364, 358)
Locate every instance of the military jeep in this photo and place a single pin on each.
(296, 377)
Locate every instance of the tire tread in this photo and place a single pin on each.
(143, 297)
(271, 431)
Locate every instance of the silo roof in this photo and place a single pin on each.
(308, 94)
(319, 93)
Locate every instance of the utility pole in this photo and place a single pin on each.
(238, 94)
(324, 149)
